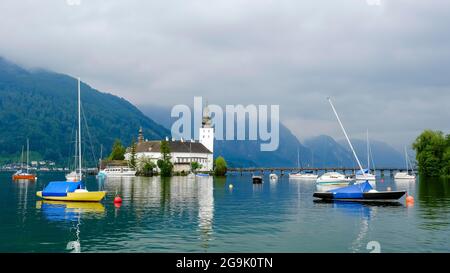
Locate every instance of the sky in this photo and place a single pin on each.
(385, 63)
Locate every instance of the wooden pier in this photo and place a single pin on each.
(287, 170)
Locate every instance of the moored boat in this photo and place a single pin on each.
(366, 175)
(362, 192)
(119, 172)
(70, 191)
(306, 175)
(334, 178)
(273, 177)
(257, 179)
(405, 175)
(21, 175)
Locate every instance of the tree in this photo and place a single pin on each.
(430, 148)
(118, 151)
(220, 168)
(133, 154)
(164, 164)
(195, 166)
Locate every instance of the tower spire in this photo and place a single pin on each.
(206, 119)
(141, 135)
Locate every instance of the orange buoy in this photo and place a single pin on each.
(409, 199)
(117, 199)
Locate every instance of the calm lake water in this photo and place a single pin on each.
(205, 215)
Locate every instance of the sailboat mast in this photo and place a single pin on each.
(28, 152)
(406, 160)
(346, 136)
(76, 151)
(21, 160)
(368, 152)
(79, 128)
(298, 158)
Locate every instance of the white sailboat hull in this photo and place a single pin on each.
(333, 178)
(303, 176)
(370, 177)
(404, 176)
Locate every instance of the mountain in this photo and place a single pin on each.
(329, 153)
(42, 105)
(383, 154)
(240, 153)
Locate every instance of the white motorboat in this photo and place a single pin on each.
(119, 172)
(334, 178)
(273, 177)
(405, 175)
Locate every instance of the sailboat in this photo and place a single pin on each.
(76, 190)
(405, 175)
(366, 175)
(306, 175)
(20, 175)
(362, 192)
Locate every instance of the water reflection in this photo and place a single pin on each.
(434, 198)
(177, 197)
(23, 189)
(70, 212)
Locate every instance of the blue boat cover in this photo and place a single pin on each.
(352, 192)
(361, 173)
(309, 172)
(61, 188)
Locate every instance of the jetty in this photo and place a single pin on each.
(287, 170)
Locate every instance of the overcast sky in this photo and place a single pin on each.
(386, 66)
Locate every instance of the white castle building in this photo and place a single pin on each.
(183, 152)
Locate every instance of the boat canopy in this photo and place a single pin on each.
(366, 171)
(61, 188)
(309, 172)
(352, 191)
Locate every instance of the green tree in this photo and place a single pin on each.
(220, 168)
(118, 151)
(133, 154)
(148, 168)
(164, 164)
(195, 166)
(430, 147)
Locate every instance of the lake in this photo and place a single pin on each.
(205, 215)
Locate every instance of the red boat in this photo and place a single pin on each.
(24, 176)
(20, 175)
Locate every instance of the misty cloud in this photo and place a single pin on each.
(385, 66)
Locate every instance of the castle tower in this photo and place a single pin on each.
(141, 136)
(206, 131)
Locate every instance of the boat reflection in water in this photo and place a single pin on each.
(71, 212)
(362, 213)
